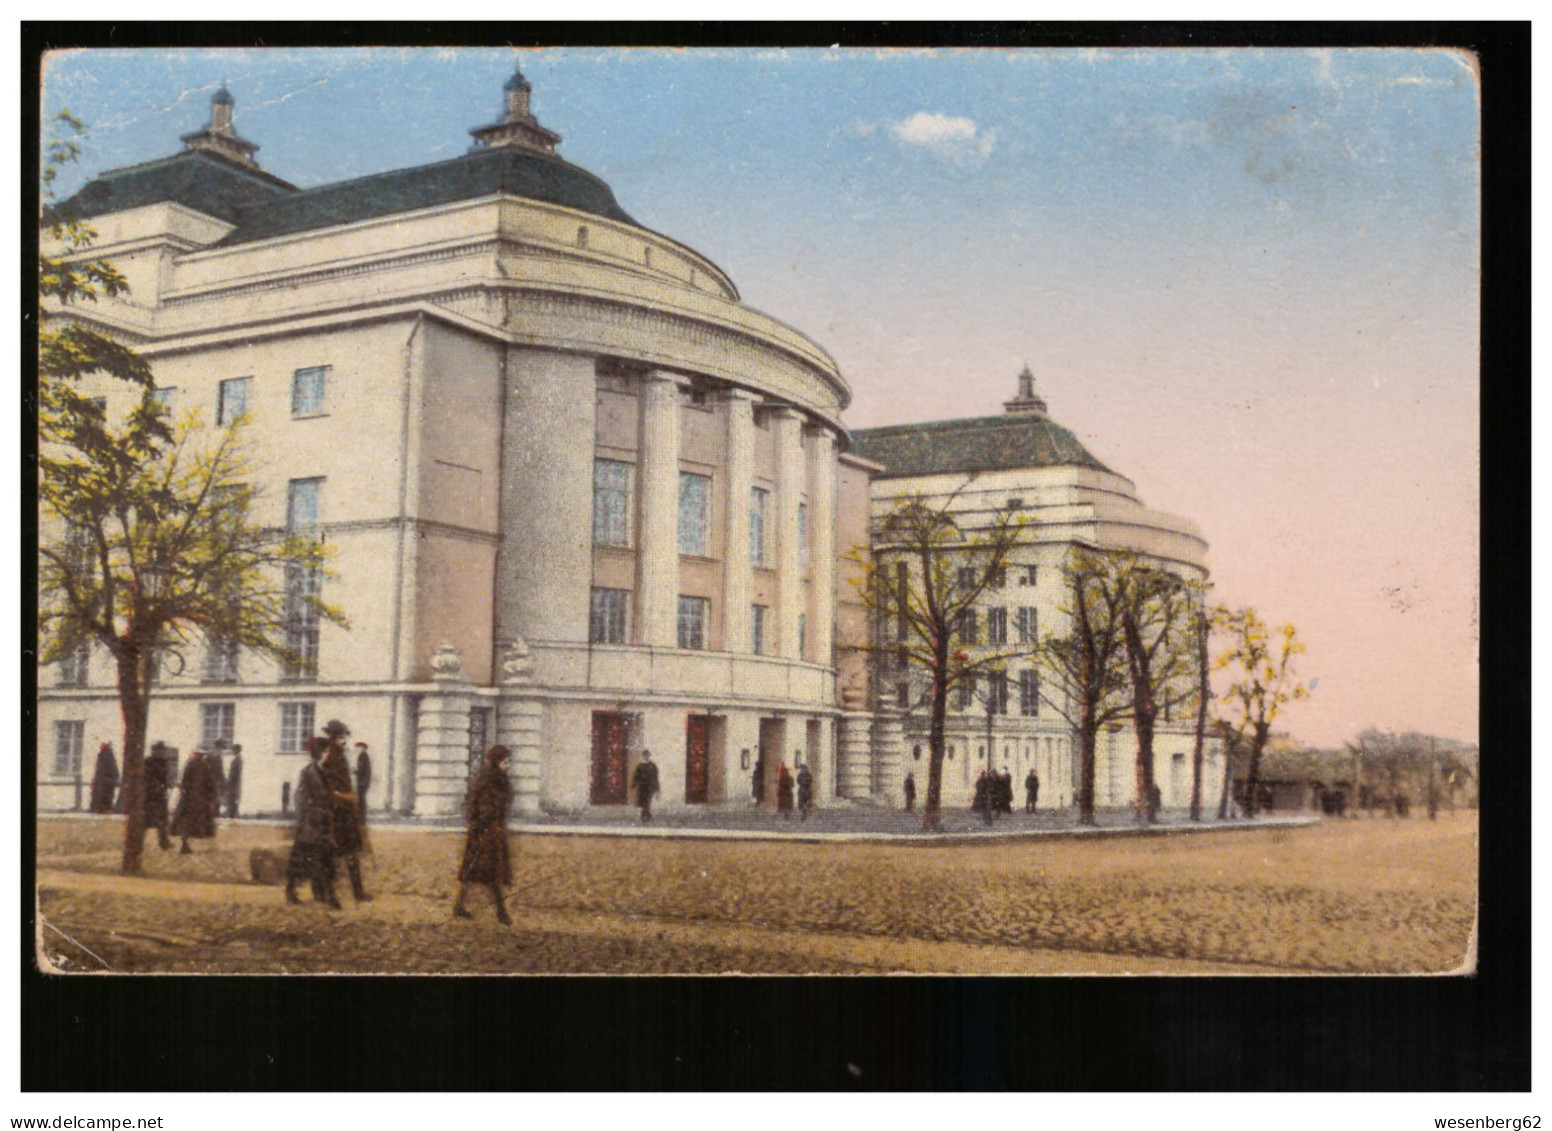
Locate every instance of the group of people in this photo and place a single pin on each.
(202, 791)
(993, 793)
(789, 786)
(330, 817)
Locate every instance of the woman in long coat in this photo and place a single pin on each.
(312, 853)
(199, 795)
(486, 859)
(105, 779)
(784, 792)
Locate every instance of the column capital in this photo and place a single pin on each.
(784, 412)
(733, 395)
(660, 379)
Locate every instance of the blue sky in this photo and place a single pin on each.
(1246, 279)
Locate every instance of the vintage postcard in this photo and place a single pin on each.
(715, 512)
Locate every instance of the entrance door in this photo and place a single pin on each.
(608, 759)
(697, 761)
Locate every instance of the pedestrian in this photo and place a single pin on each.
(910, 791)
(312, 853)
(805, 791)
(645, 783)
(486, 857)
(757, 784)
(154, 805)
(363, 775)
(105, 780)
(1005, 792)
(234, 783)
(218, 771)
(345, 809)
(1155, 799)
(981, 802)
(784, 792)
(1031, 791)
(199, 798)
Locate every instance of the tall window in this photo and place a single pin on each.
(1029, 692)
(964, 577)
(1028, 576)
(759, 500)
(692, 622)
(302, 505)
(997, 693)
(1028, 621)
(75, 667)
(802, 635)
(610, 613)
(967, 693)
(757, 619)
(803, 537)
(611, 503)
(309, 390)
(902, 599)
(217, 723)
(694, 508)
(296, 727)
(302, 588)
(220, 660)
(232, 399)
(996, 626)
(903, 697)
(68, 737)
(997, 578)
(969, 627)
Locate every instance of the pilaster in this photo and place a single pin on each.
(738, 407)
(786, 429)
(821, 547)
(519, 725)
(657, 557)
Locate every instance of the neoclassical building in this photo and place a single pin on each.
(583, 500)
(1025, 460)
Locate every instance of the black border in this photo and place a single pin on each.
(608, 1034)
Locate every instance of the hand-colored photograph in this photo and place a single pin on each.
(758, 511)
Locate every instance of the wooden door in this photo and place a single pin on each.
(697, 758)
(608, 759)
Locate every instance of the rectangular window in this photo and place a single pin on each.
(903, 696)
(163, 397)
(296, 727)
(692, 622)
(220, 660)
(1029, 692)
(302, 588)
(803, 537)
(302, 505)
(1028, 625)
(757, 615)
(611, 503)
(76, 668)
(967, 693)
(802, 635)
(902, 599)
(231, 400)
(694, 512)
(68, 737)
(309, 388)
(996, 626)
(759, 500)
(610, 615)
(1028, 576)
(997, 693)
(217, 723)
(969, 627)
(997, 578)
(964, 577)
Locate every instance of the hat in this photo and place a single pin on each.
(336, 729)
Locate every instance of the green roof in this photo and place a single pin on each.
(263, 206)
(983, 443)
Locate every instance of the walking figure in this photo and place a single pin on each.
(645, 783)
(805, 791)
(199, 799)
(349, 834)
(154, 775)
(363, 775)
(784, 792)
(1031, 791)
(910, 791)
(312, 852)
(105, 780)
(487, 859)
(234, 783)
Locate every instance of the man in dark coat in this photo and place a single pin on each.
(344, 805)
(758, 784)
(644, 782)
(910, 792)
(1005, 791)
(105, 779)
(234, 783)
(199, 797)
(805, 791)
(363, 775)
(154, 777)
(982, 801)
(312, 853)
(784, 792)
(486, 858)
(1031, 791)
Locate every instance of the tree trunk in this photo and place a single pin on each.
(1252, 773)
(1228, 778)
(1087, 738)
(934, 802)
(1144, 725)
(1197, 751)
(134, 705)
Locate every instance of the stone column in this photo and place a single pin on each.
(442, 741)
(853, 752)
(821, 546)
(519, 725)
(657, 551)
(786, 430)
(888, 753)
(739, 407)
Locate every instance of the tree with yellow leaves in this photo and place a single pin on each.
(1264, 682)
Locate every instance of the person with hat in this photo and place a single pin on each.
(234, 782)
(199, 796)
(312, 851)
(154, 776)
(105, 779)
(344, 806)
(784, 792)
(805, 790)
(645, 782)
(486, 858)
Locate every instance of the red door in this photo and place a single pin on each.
(696, 759)
(608, 759)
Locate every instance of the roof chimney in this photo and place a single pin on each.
(1026, 401)
(219, 136)
(517, 127)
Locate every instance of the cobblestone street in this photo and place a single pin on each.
(1359, 895)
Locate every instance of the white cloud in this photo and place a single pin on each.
(954, 139)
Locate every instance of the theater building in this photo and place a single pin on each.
(583, 501)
